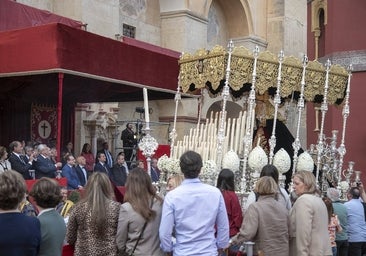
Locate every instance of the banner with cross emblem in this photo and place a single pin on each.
(43, 123)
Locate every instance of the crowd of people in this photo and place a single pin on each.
(192, 218)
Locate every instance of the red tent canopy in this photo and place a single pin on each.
(58, 64)
(15, 15)
(96, 68)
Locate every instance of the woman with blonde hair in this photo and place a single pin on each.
(265, 221)
(139, 217)
(174, 181)
(308, 219)
(92, 225)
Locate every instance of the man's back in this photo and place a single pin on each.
(341, 211)
(198, 211)
(356, 221)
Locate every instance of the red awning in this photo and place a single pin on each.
(15, 15)
(96, 68)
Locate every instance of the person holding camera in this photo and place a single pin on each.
(129, 142)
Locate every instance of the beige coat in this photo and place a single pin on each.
(266, 223)
(130, 224)
(309, 227)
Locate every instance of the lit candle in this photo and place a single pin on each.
(146, 106)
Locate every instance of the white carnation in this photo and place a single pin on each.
(305, 162)
(257, 159)
(344, 185)
(231, 161)
(162, 161)
(209, 168)
(208, 172)
(168, 165)
(282, 161)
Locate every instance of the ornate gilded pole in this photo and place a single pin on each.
(323, 109)
(300, 107)
(345, 113)
(277, 102)
(173, 133)
(225, 96)
(248, 137)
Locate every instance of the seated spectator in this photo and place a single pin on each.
(46, 194)
(18, 161)
(5, 165)
(67, 151)
(69, 172)
(20, 234)
(28, 208)
(118, 172)
(44, 166)
(89, 157)
(139, 164)
(154, 170)
(101, 165)
(81, 171)
(64, 207)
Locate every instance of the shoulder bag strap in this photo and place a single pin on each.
(142, 231)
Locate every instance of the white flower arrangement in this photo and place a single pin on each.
(168, 165)
(257, 159)
(282, 161)
(344, 185)
(208, 172)
(231, 161)
(305, 162)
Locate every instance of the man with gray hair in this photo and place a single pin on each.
(44, 166)
(341, 211)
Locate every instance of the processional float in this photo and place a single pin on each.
(238, 73)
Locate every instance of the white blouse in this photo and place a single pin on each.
(5, 166)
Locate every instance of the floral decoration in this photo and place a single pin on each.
(282, 161)
(257, 159)
(231, 161)
(168, 165)
(305, 162)
(344, 185)
(208, 172)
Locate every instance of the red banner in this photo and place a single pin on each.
(43, 123)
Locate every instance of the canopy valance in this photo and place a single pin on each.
(206, 69)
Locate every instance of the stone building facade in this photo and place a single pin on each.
(183, 26)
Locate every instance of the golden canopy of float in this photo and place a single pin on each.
(227, 143)
(206, 69)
